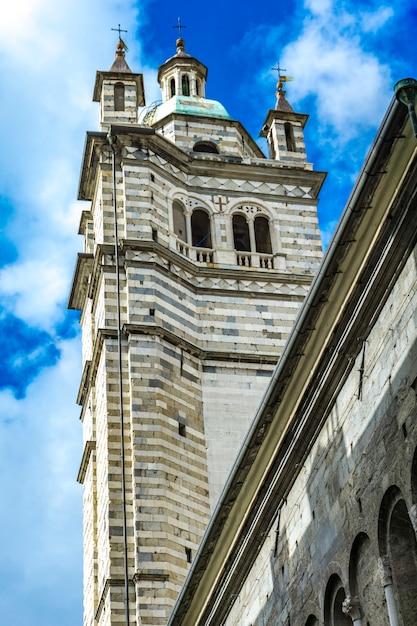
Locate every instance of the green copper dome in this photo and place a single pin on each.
(190, 105)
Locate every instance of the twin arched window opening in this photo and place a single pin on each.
(242, 238)
(198, 234)
(185, 86)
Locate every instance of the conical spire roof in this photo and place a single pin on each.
(282, 103)
(119, 64)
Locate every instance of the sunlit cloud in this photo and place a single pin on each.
(335, 68)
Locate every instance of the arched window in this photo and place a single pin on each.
(365, 588)
(262, 235)
(206, 146)
(185, 85)
(333, 600)
(289, 137)
(241, 233)
(312, 621)
(119, 97)
(200, 229)
(172, 87)
(180, 228)
(398, 546)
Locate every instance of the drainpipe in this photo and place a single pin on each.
(112, 141)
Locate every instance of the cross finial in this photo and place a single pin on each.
(278, 69)
(179, 26)
(120, 30)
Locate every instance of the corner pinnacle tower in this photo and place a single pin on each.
(216, 247)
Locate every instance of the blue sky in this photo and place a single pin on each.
(344, 57)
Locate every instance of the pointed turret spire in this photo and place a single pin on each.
(283, 128)
(282, 103)
(119, 64)
(119, 91)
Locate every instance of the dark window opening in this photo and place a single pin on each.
(119, 97)
(241, 233)
(289, 137)
(179, 220)
(188, 554)
(262, 235)
(154, 234)
(152, 312)
(172, 86)
(200, 228)
(182, 430)
(271, 148)
(206, 146)
(197, 87)
(185, 85)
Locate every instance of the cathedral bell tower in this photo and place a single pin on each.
(284, 131)
(119, 91)
(198, 251)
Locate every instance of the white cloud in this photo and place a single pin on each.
(49, 53)
(318, 7)
(371, 22)
(40, 450)
(332, 65)
(34, 290)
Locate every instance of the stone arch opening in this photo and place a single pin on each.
(241, 233)
(289, 137)
(185, 85)
(262, 235)
(312, 621)
(367, 595)
(333, 601)
(119, 97)
(200, 229)
(179, 222)
(398, 548)
(172, 87)
(206, 146)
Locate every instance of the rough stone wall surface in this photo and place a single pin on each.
(350, 513)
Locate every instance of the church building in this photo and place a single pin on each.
(248, 408)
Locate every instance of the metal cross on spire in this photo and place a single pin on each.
(281, 77)
(179, 26)
(119, 30)
(278, 69)
(122, 44)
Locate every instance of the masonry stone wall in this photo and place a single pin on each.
(343, 547)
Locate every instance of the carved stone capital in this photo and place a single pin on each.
(351, 607)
